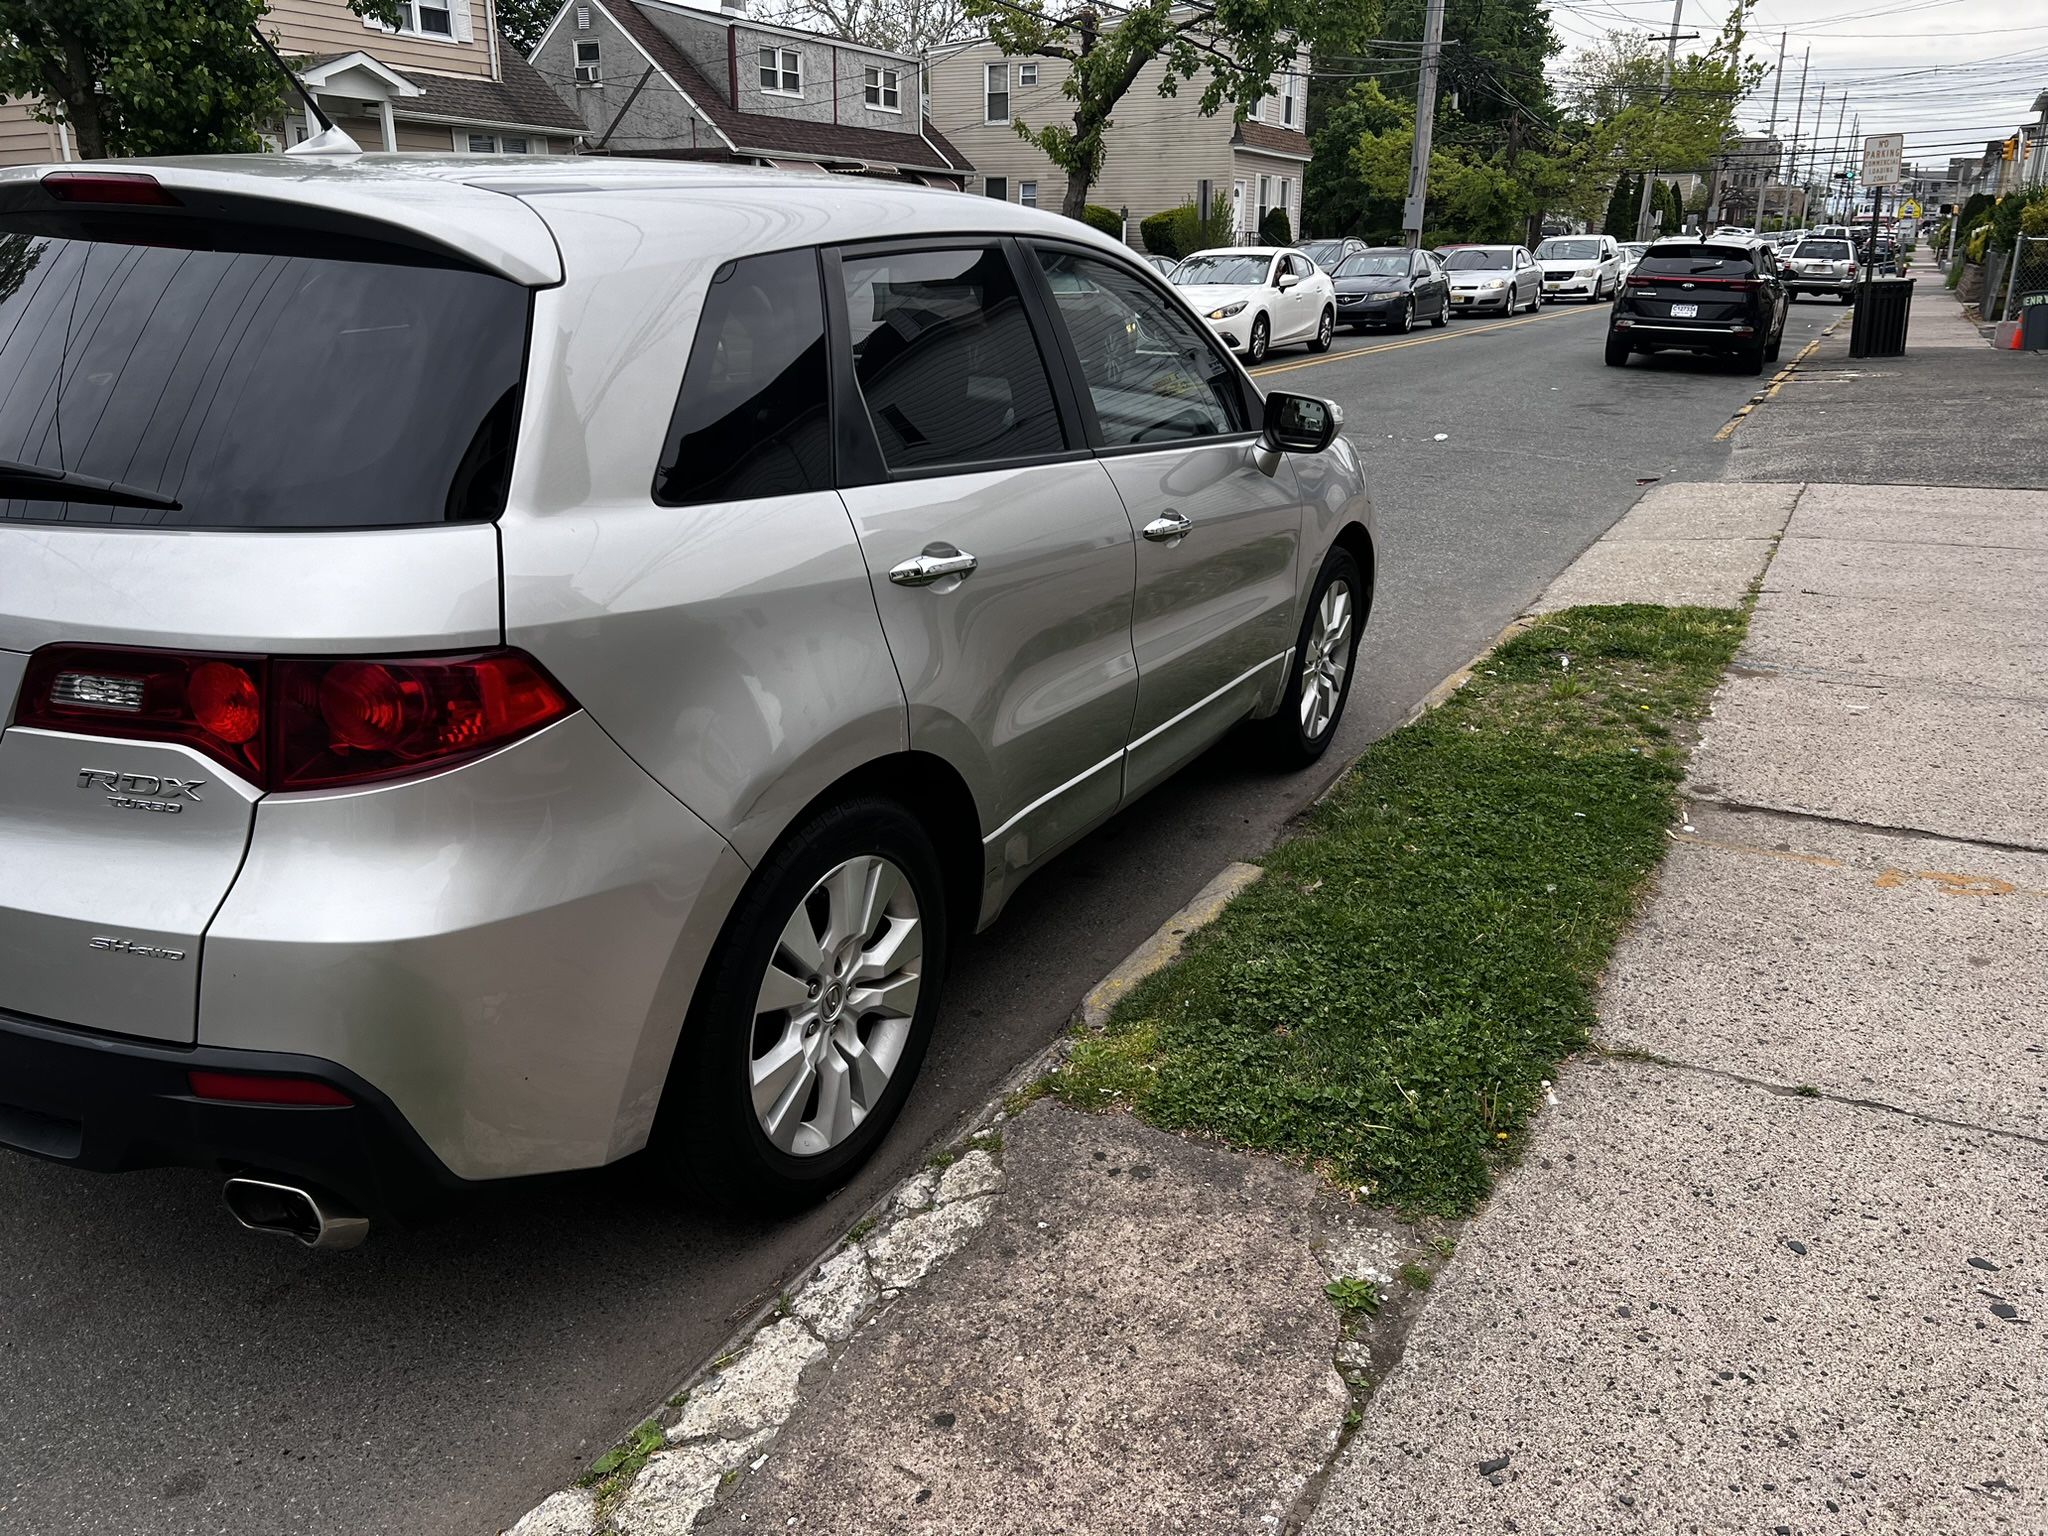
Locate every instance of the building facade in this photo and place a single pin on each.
(650, 77)
(442, 82)
(1162, 151)
(1741, 172)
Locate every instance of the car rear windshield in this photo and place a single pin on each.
(1824, 250)
(225, 388)
(1477, 260)
(1696, 261)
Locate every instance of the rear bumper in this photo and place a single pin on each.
(98, 1102)
(1707, 336)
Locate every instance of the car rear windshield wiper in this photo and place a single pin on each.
(37, 482)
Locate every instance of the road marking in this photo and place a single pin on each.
(1411, 341)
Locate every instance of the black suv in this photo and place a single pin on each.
(1702, 294)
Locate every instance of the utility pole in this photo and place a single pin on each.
(1772, 172)
(1670, 58)
(1835, 154)
(1798, 118)
(1425, 126)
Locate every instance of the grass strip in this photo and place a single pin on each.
(1386, 1003)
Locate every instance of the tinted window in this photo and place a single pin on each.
(946, 360)
(751, 419)
(1152, 372)
(1696, 261)
(257, 389)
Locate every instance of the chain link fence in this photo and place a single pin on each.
(2025, 271)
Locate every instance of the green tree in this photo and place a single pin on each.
(523, 21)
(147, 77)
(1334, 199)
(1621, 209)
(1674, 208)
(1233, 49)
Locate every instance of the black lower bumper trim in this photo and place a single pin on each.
(111, 1103)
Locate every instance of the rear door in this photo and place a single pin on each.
(1215, 615)
(275, 448)
(999, 554)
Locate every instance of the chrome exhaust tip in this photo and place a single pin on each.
(289, 1211)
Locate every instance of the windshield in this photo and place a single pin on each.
(1322, 252)
(1632, 249)
(1568, 250)
(1696, 261)
(1824, 250)
(180, 372)
(1238, 270)
(1476, 260)
(1375, 264)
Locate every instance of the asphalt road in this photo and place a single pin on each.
(162, 1372)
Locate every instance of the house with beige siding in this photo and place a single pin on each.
(658, 78)
(441, 82)
(1162, 152)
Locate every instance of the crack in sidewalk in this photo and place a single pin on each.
(1627, 1054)
(1700, 796)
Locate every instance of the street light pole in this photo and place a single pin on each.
(1670, 58)
(1425, 126)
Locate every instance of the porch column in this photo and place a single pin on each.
(390, 128)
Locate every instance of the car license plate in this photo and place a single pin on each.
(1685, 311)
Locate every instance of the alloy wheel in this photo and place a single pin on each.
(834, 1008)
(1407, 321)
(1326, 660)
(1256, 350)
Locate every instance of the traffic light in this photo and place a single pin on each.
(2011, 148)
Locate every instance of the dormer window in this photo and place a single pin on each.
(782, 71)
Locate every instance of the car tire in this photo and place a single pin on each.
(1406, 323)
(1443, 315)
(710, 1139)
(1750, 359)
(1258, 343)
(1776, 346)
(1298, 733)
(1617, 352)
(1326, 332)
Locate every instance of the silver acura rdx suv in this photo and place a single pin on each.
(508, 665)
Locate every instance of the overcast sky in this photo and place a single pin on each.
(1949, 74)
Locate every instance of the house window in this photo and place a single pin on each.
(434, 17)
(513, 144)
(997, 187)
(998, 90)
(587, 61)
(1287, 100)
(882, 90)
(1027, 193)
(1027, 74)
(1265, 200)
(782, 71)
(495, 144)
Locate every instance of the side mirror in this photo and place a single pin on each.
(1299, 424)
(1285, 281)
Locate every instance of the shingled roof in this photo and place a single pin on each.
(773, 135)
(521, 100)
(1267, 139)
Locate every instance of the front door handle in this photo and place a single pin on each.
(1167, 527)
(936, 563)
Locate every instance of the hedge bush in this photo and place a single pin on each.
(1274, 228)
(1108, 220)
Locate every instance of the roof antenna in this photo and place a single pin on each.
(330, 140)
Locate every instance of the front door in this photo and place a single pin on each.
(1215, 618)
(998, 550)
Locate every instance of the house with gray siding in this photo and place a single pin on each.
(658, 78)
(1162, 151)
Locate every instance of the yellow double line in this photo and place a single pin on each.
(1412, 341)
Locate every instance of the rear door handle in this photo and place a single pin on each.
(1167, 527)
(936, 563)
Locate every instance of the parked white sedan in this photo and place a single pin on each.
(1256, 299)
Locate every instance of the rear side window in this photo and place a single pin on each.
(946, 360)
(1696, 261)
(752, 420)
(252, 389)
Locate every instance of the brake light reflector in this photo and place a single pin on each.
(134, 188)
(299, 722)
(254, 1088)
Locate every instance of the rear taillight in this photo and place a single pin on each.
(296, 722)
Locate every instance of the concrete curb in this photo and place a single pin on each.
(1160, 950)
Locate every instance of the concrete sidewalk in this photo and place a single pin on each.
(1778, 1263)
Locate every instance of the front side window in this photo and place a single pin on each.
(946, 361)
(997, 82)
(782, 70)
(1152, 374)
(883, 90)
(751, 420)
(163, 369)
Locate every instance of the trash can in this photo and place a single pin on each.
(1879, 326)
(2034, 322)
